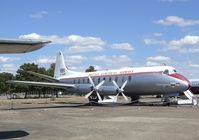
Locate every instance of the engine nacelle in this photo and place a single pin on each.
(82, 88)
(107, 90)
(86, 88)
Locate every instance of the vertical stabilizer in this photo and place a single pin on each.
(60, 67)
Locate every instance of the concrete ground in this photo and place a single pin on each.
(63, 120)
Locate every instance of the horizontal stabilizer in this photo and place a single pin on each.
(51, 79)
(20, 46)
(43, 84)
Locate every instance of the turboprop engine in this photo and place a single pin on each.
(82, 88)
(103, 90)
(108, 90)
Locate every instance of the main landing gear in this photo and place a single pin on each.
(135, 99)
(93, 99)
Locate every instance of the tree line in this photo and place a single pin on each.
(22, 74)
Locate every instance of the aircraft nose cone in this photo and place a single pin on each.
(184, 81)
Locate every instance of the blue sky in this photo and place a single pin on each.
(105, 33)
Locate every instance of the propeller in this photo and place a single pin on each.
(120, 90)
(95, 88)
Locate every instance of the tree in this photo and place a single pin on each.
(91, 69)
(50, 71)
(3, 78)
(22, 74)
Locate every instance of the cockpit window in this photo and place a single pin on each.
(174, 70)
(166, 72)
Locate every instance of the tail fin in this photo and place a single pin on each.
(60, 67)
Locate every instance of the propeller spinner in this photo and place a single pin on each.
(120, 90)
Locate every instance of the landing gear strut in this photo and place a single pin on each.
(93, 98)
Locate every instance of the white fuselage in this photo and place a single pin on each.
(140, 81)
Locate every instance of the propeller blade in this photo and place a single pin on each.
(100, 84)
(89, 94)
(124, 96)
(91, 81)
(115, 84)
(124, 85)
(99, 97)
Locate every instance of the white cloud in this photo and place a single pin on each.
(194, 65)
(187, 44)
(157, 34)
(73, 40)
(45, 60)
(75, 59)
(9, 65)
(82, 49)
(39, 15)
(77, 43)
(184, 45)
(152, 41)
(178, 21)
(11, 68)
(150, 63)
(69, 60)
(187, 40)
(158, 60)
(98, 67)
(8, 59)
(114, 61)
(123, 46)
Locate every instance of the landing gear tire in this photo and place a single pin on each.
(135, 99)
(166, 103)
(93, 99)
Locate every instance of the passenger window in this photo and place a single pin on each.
(78, 81)
(122, 78)
(129, 78)
(74, 81)
(99, 80)
(109, 79)
(88, 81)
(104, 79)
(116, 79)
(83, 81)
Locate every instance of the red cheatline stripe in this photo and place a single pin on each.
(181, 77)
(139, 73)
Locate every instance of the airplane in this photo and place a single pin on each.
(8, 46)
(127, 82)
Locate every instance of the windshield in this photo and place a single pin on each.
(171, 71)
(166, 72)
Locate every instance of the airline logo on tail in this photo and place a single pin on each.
(62, 71)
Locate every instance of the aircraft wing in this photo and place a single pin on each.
(20, 46)
(43, 84)
(43, 76)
